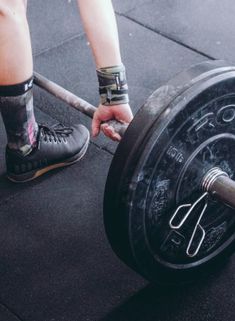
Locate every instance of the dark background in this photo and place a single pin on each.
(55, 261)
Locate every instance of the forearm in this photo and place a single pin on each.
(100, 26)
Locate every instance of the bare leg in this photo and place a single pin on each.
(16, 70)
(32, 149)
(15, 47)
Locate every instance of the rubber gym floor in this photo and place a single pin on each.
(55, 261)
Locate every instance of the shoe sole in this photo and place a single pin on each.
(27, 177)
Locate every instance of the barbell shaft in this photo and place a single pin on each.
(74, 101)
(220, 185)
(224, 189)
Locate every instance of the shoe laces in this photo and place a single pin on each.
(58, 133)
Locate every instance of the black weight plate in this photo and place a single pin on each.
(125, 223)
(193, 135)
(129, 150)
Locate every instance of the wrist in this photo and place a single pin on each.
(113, 86)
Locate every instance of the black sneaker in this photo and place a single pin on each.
(57, 147)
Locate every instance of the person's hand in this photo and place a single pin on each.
(122, 113)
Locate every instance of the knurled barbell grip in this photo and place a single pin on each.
(218, 184)
(74, 101)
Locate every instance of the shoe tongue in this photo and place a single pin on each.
(58, 128)
(57, 125)
(63, 130)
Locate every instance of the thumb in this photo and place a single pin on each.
(95, 126)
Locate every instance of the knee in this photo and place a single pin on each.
(14, 10)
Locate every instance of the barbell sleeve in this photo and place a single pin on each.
(218, 184)
(74, 101)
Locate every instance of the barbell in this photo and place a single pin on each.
(170, 195)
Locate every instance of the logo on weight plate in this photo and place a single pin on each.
(213, 236)
(175, 154)
(159, 201)
(223, 116)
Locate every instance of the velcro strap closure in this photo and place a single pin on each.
(113, 91)
(110, 97)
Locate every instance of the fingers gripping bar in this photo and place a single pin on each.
(74, 101)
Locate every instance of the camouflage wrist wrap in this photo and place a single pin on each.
(113, 87)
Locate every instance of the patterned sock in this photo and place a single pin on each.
(16, 107)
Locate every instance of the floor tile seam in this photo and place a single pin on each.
(48, 114)
(135, 7)
(102, 148)
(168, 37)
(11, 311)
(59, 44)
(45, 113)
